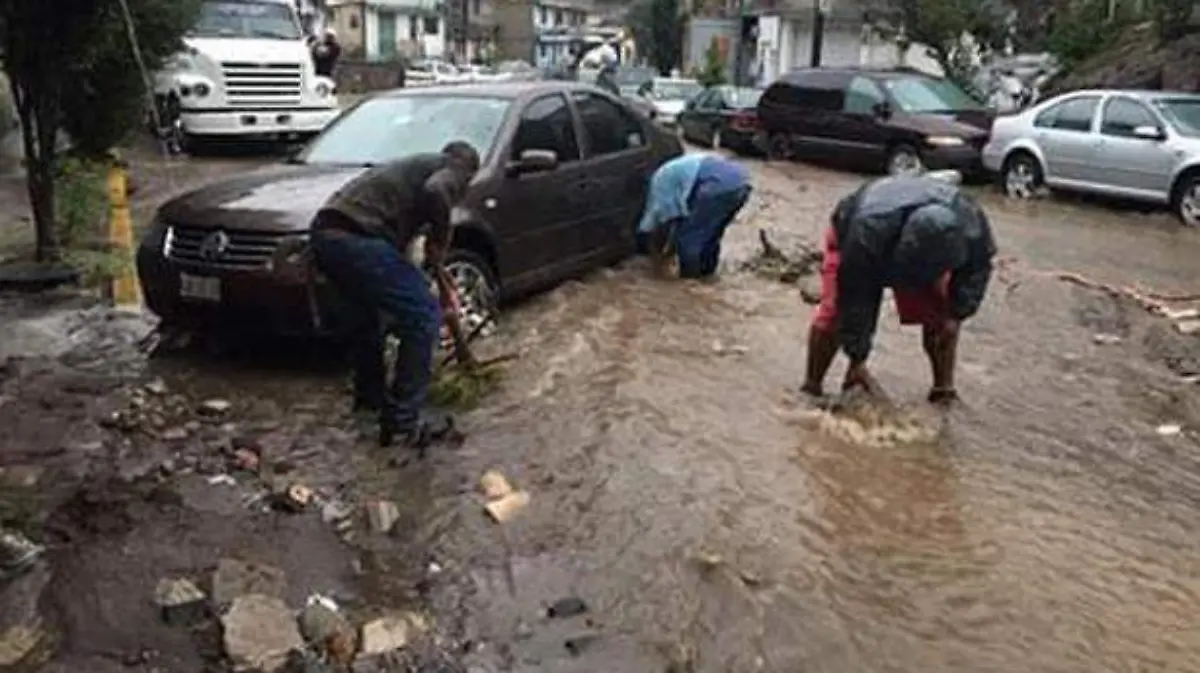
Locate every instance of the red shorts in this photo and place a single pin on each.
(929, 306)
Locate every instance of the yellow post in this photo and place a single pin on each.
(125, 292)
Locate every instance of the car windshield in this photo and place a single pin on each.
(386, 129)
(679, 89)
(247, 19)
(1183, 114)
(924, 95)
(740, 97)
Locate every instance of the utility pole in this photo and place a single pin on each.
(738, 59)
(820, 7)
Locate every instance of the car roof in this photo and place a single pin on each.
(859, 70)
(1133, 93)
(509, 90)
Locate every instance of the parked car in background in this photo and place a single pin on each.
(562, 184)
(668, 96)
(724, 116)
(630, 79)
(516, 71)
(1141, 145)
(899, 121)
(432, 71)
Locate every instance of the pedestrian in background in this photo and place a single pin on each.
(359, 240)
(326, 53)
(927, 241)
(692, 200)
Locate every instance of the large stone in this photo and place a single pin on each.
(22, 627)
(390, 633)
(234, 578)
(260, 632)
(180, 601)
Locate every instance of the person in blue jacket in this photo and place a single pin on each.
(691, 201)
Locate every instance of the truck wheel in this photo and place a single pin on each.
(779, 148)
(904, 160)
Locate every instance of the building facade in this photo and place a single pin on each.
(384, 30)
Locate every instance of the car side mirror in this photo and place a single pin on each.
(882, 110)
(1149, 133)
(533, 161)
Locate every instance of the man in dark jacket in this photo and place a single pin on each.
(325, 53)
(924, 239)
(359, 240)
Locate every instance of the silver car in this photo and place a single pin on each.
(1142, 145)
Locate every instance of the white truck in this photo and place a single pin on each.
(246, 72)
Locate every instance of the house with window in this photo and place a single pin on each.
(383, 30)
(557, 24)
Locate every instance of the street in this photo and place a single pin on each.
(708, 521)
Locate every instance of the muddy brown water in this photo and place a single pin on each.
(711, 525)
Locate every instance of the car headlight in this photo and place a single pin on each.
(944, 141)
(324, 89)
(201, 89)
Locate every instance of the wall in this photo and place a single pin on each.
(359, 76)
(516, 32)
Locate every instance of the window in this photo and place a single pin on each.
(412, 29)
(558, 17)
(543, 16)
(476, 7)
(1070, 115)
(1183, 112)
(1122, 116)
(609, 128)
(709, 100)
(547, 125)
(815, 89)
(431, 25)
(862, 95)
(925, 95)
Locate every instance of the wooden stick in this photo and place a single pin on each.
(462, 352)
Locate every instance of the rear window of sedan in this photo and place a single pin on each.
(390, 128)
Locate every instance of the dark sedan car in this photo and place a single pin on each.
(563, 180)
(724, 116)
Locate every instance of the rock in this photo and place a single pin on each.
(323, 626)
(382, 515)
(566, 607)
(1183, 314)
(174, 435)
(1106, 339)
(260, 632)
(494, 485)
(23, 630)
(21, 476)
(215, 407)
(245, 459)
(391, 633)
(507, 507)
(180, 601)
(810, 290)
(156, 387)
(335, 512)
(1169, 429)
(192, 426)
(1188, 326)
(577, 644)
(234, 578)
(523, 631)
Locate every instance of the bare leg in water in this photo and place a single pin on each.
(941, 347)
(822, 348)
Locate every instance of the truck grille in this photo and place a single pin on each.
(262, 84)
(221, 248)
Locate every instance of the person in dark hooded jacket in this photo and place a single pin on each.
(928, 242)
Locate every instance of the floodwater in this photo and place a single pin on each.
(712, 522)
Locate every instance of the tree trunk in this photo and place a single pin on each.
(38, 131)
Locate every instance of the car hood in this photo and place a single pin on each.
(968, 124)
(277, 199)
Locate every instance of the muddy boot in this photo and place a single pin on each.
(17, 553)
(433, 427)
(943, 397)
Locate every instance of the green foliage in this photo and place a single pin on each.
(1171, 17)
(1082, 30)
(70, 65)
(657, 27)
(456, 388)
(712, 73)
(81, 202)
(107, 97)
(954, 31)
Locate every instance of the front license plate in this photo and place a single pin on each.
(202, 288)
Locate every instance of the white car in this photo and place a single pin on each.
(1139, 145)
(425, 73)
(669, 96)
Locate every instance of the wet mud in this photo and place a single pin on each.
(705, 517)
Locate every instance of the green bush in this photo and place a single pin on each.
(712, 72)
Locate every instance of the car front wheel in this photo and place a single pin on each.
(904, 160)
(477, 288)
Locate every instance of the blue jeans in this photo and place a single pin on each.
(698, 238)
(384, 293)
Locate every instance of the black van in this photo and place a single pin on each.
(901, 121)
